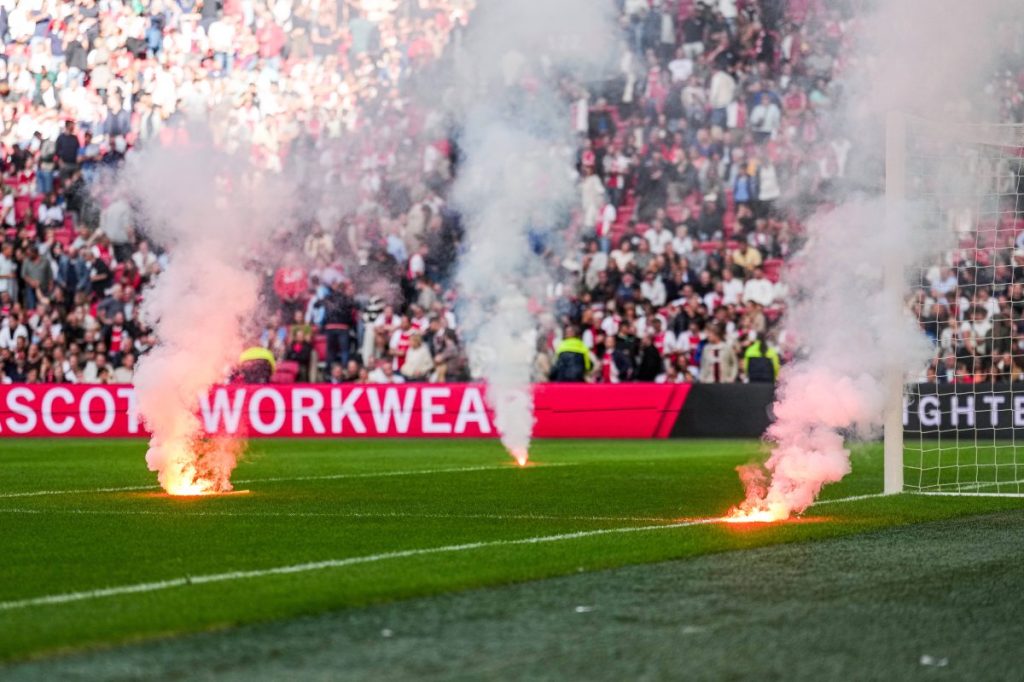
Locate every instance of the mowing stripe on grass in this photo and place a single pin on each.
(68, 597)
(385, 474)
(346, 515)
(327, 477)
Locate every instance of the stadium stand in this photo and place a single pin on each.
(698, 162)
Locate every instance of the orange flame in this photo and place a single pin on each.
(763, 513)
(520, 455)
(201, 467)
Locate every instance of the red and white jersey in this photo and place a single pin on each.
(400, 345)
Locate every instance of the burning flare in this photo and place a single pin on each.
(212, 212)
(809, 451)
(520, 455)
(200, 466)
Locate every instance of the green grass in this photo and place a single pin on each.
(62, 543)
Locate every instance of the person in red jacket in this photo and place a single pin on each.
(291, 284)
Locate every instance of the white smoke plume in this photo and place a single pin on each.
(213, 213)
(517, 180)
(917, 57)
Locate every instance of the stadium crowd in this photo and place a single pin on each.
(697, 164)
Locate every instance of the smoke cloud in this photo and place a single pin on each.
(920, 58)
(516, 184)
(213, 212)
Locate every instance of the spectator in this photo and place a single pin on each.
(339, 317)
(649, 363)
(718, 362)
(385, 374)
(761, 361)
(300, 350)
(67, 146)
(256, 365)
(126, 371)
(37, 274)
(616, 365)
(418, 364)
(572, 360)
(759, 289)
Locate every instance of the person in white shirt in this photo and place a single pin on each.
(604, 226)
(8, 271)
(732, 288)
(385, 374)
(50, 213)
(418, 262)
(765, 118)
(623, 256)
(681, 67)
(145, 260)
(10, 331)
(759, 289)
(7, 209)
(592, 196)
(658, 237)
(653, 289)
(418, 363)
(721, 94)
(683, 243)
(595, 261)
(125, 373)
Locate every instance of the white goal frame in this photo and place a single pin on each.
(897, 184)
(895, 195)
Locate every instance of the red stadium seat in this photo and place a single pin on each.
(280, 377)
(288, 367)
(22, 205)
(320, 346)
(773, 269)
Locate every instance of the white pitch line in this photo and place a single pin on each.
(37, 493)
(951, 493)
(934, 493)
(852, 498)
(346, 515)
(68, 597)
(327, 477)
(988, 484)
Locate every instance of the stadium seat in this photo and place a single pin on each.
(288, 367)
(320, 346)
(22, 205)
(280, 377)
(773, 269)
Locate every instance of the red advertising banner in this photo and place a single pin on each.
(349, 410)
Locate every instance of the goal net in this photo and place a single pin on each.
(962, 415)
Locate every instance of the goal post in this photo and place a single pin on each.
(955, 190)
(894, 284)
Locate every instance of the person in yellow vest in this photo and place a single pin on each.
(572, 358)
(256, 365)
(761, 362)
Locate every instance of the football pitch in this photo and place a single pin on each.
(362, 559)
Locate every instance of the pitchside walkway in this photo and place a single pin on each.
(933, 601)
